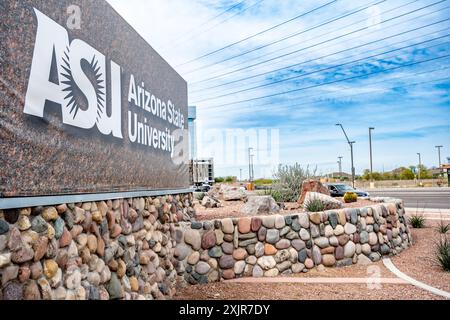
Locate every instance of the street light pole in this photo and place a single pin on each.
(240, 175)
(370, 150)
(340, 167)
(439, 154)
(249, 165)
(420, 164)
(351, 152)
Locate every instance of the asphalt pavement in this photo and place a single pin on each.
(436, 198)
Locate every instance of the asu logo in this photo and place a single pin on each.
(80, 86)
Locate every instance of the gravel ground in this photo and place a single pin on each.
(419, 261)
(300, 291)
(233, 209)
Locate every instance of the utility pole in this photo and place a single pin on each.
(340, 167)
(252, 169)
(249, 164)
(240, 175)
(351, 152)
(420, 164)
(370, 148)
(439, 154)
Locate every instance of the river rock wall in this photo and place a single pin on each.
(115, 249)
(271, 245)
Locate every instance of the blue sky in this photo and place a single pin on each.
(360, 63)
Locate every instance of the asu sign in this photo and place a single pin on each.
(75, 61)
(90, 109)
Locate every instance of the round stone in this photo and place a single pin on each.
(202, 267)
(279, 221)
(227, 225)
(328, 231)
(334, 241)
(239, 267)
(259, 249)
(297, 267)
(272, 236)
(349, 228)
(268, 221)
(339, 253)
(316, 255)
(244, 225)
(338, 230)
(322, 242)
(4, 227)
(227, 247)
(373, 238)
(309, 263)
(266, 262)
(13, 291)
(257, 272)
(208, 239)
(298, 244)
(349, 249)
(315, 217)
(50, 268)
(251, 260)
(303, 220)
(283, 244)
(328, 260)
(193, 238)
(256, 224)
(269, 249)
(39, 225)
(364, 237)
(50, 214)
(304, 234)
(226, 262)
(240, 254)
(271, 273)
(193, 258)
(215, 252)
(23, 223)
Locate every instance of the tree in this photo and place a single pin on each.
(407, 174)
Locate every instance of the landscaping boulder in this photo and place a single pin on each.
(312, 186)
(210, 202)
(260, 205)
(330, 202)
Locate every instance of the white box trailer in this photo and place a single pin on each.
(202, 171)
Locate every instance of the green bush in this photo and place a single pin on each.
(350, 197)
(443, 227)
(417, 221)
(279, 195)
(288, 181)
(262, 182)
(219, 179)
(199, 195)
(315, 205)
(443, 253)
(230, 179)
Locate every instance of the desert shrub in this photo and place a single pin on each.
(219, 179)
(315, 205)
(443, 253)
(262, 182)
(443, 227)
(230, 179)
(350, 197)
(199, 195)
(417, 221)
(289, 179)
(279, 195)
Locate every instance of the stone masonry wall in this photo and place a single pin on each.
(94, 250)
(271, 245)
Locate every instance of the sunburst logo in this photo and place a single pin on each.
(74, 93)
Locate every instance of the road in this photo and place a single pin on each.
(436, 198)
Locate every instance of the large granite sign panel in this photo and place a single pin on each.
(86, 105)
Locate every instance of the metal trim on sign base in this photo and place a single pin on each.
(23, 202)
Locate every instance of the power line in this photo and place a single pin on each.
(258, 33)
(210, 19)
(271, 105)
(323, 69)
(314, 45)
(293, 35)
(330, 82)
(330, 54)
(178, 43)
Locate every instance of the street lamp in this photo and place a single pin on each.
(351, 152)
(439, 154)
(420, 164)
(370, 150)
(340, 167)
(249, 165)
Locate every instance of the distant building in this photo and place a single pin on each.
(192, 127)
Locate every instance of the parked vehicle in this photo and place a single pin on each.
(339, 189)
(204, 187)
